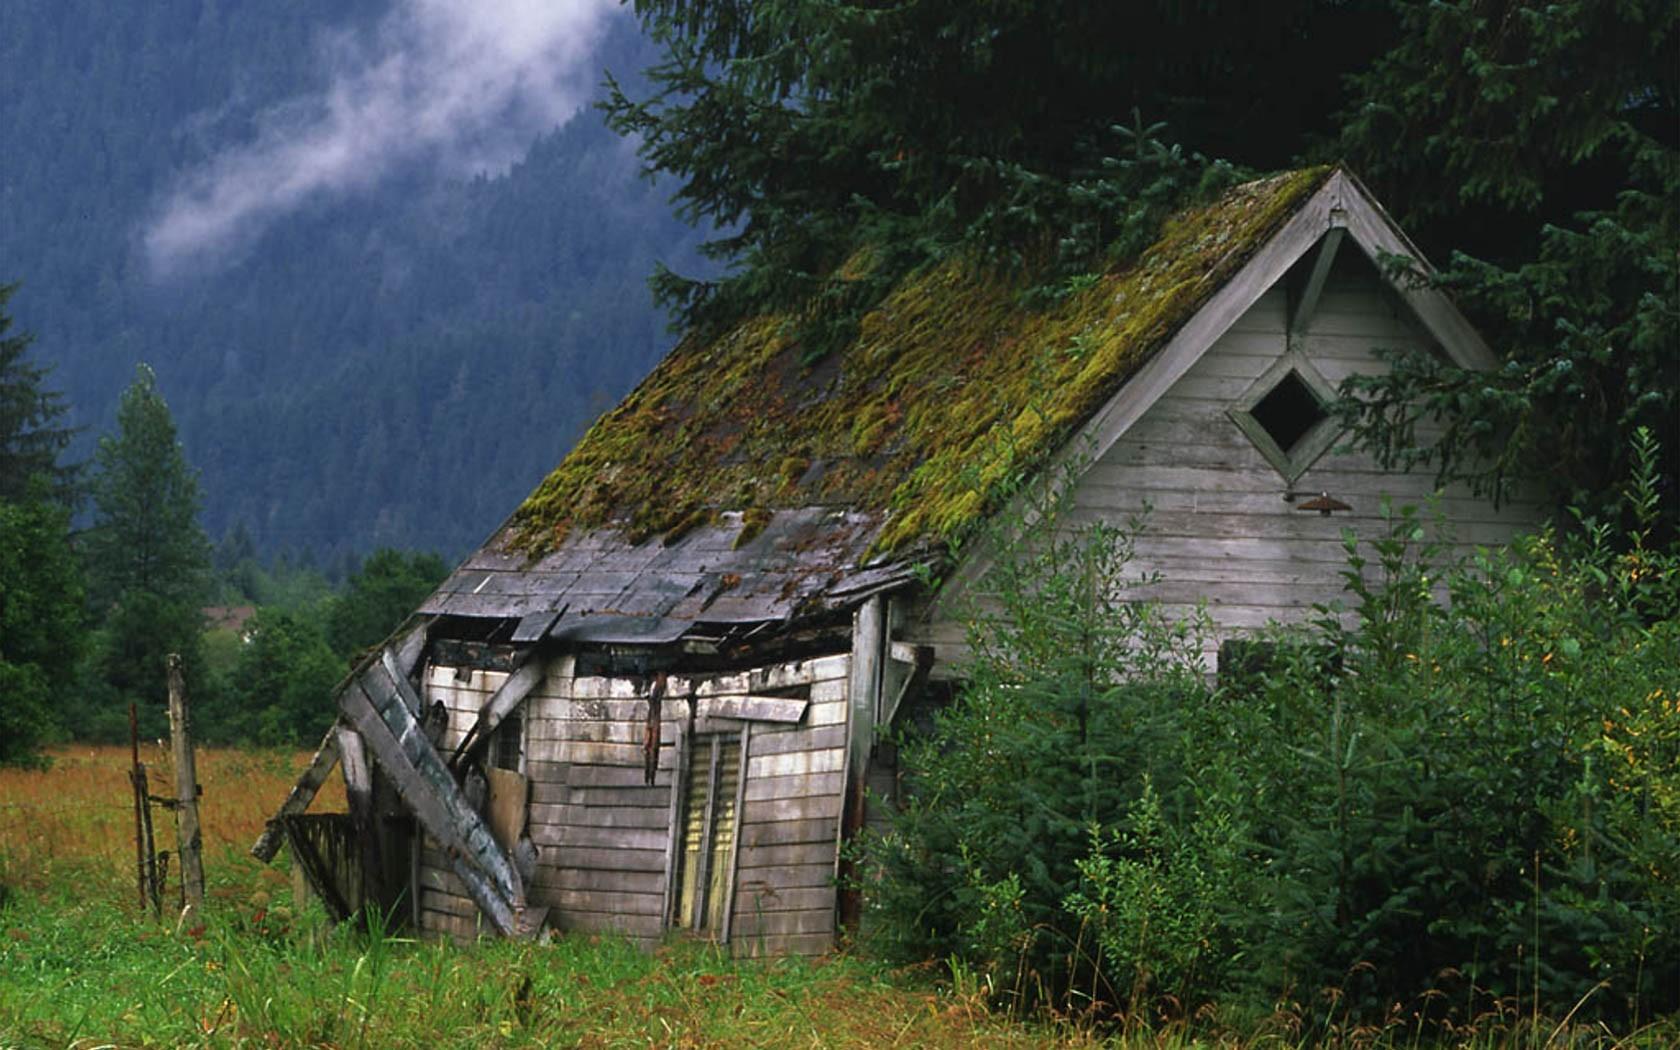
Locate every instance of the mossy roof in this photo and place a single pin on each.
(951, 390)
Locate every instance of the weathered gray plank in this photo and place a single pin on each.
(764, 946)
(793, 787)
(598, 816)
(658, 796)
(818, 872)
(567, 836)
(772, 923)
(828, 760)
(298, 799)
(777, 742)
(605, 859)
(796, 853)
(571, 901)
(551, 878)
(763, 899)
(750, 708)
(808, 807)
(787, 832)
(584, 775)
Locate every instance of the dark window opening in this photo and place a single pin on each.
(509, 736)
(1288, 411)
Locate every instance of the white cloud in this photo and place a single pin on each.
(463, 84)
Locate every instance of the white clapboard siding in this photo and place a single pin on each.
(1218, 530)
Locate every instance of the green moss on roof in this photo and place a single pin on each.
(951, 390)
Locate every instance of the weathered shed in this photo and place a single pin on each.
(651, 701)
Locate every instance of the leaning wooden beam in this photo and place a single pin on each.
(405, 648)
(512, 692)
(1308, 303)
(302, 794)
(381, 707)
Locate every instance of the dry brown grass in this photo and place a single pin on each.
(79, 813)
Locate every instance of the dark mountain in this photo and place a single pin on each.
(391, 367)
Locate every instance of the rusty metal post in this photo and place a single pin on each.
(186, 789)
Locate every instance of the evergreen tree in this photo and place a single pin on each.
(32, 432)
(1534, 149)
(809, 129)
(41, 628)
(147, 556)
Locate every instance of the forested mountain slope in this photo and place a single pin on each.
(396, 366)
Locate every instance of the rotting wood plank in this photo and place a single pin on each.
(827, 760)
(765, 946)
(765, 899)
(775, 923)
(779, 742)
(765, 788)
(817, 869)
(298, 799)
(597, 816)
(552, 878)
(658, 797)
(614, 859)
(617, 903)
(787, 832)
(644, 927)
(567, 836)
(586, 752)
(808, 807)
(751, 708)
(587, 775)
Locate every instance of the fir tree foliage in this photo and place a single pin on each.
(41, 628)
(147, 556)
(1535, 149)
(812, 131)
(33, 434)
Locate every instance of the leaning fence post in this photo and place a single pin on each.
(139, 802)
(186, 789)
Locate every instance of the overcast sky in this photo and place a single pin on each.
(462, 85)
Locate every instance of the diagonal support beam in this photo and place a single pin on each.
(405, 648)
(381, 705)
(1307, 304)
(299, 798)
(513, 691)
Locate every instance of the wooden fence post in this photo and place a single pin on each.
(186, 790)
(134, 779)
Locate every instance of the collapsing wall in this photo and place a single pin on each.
(720, 814)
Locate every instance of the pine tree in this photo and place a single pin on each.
(147, 556)
(32, 432)
(41, 627)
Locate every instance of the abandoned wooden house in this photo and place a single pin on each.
(652, 700)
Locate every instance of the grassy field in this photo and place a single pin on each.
(81, 966)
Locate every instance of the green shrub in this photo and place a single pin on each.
(1456, 798)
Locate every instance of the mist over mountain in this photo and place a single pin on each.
(385, 260)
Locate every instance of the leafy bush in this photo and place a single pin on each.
(1457, 797)
(1067, 772)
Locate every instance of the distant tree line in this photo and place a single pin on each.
(88, 615)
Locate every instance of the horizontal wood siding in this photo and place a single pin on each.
(1219, 530)
(603, 834)
(789, 825)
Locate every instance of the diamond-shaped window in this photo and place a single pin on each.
(1286, 414)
